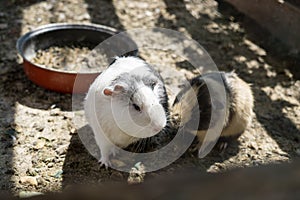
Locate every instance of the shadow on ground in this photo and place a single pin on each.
(13, 85)
(78, 162)
(235, 44)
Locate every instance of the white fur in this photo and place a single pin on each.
(101, 111)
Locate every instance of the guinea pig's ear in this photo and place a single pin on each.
(108, 91)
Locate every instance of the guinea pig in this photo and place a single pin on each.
(126, 102)
(238, 108)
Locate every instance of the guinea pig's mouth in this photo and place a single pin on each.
(148, 131)
(158, 128)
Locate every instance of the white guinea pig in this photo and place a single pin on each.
(125, 103)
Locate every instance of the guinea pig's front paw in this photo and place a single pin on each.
(114, 151)
(104, 162)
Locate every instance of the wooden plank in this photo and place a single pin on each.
(279, 17)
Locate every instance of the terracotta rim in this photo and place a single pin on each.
(58, 80)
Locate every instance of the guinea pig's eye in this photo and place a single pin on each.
(153, 84)
(136, 107)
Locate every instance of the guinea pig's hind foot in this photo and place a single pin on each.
(194, 147)
(103, 161)
(225, 142)
(223, 146)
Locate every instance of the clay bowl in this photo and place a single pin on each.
(64, 34)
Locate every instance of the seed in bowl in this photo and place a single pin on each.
(71, 59)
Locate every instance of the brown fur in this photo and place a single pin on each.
(241, 105)
(182, 110)
(238, 109)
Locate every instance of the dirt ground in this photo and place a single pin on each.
(40, 148)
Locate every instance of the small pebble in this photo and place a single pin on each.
(58, 174)
(50, 165)
(41, 181)
(62, 150)
(117, 163)
(31, 172)
(298, 152)
(85, 16)
(3, 26)
(253, 145)
(38, 126)
(29, 180)
(25, 194)
(54, 112)
(39, 144)
(73, 131)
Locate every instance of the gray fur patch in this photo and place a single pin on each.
(150, 79)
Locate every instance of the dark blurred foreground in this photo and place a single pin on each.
(278, 181)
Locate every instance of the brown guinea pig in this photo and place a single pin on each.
(195, 99)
